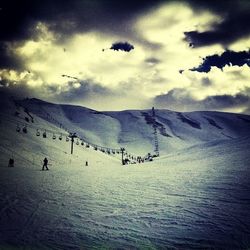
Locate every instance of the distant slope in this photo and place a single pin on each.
(133, 128)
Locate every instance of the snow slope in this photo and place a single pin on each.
(195, 196)
(133, 130)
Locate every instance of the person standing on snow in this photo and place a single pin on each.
(45, 164)
(11, 162)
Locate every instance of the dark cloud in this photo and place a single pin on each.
(15, 19)
(123, 46)
(228, 57)
(247, 110)
(234, 25)
(72, 93)
(237, 75)
(206, 81)
(67, 17)
(19, 90)
(180, 99)
(18, 20)
(7, 58)
(152, 60)
(225, 101)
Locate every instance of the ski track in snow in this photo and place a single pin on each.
(155, 205)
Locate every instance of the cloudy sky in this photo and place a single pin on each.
(111, 55)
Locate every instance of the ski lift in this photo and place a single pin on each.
(60, 137)
(67, 138)
(37, 133)
(44, 134)
(77, 142)
(87, 145)
(54, 136)
(113, 151)
(108, 151)
(118, 151)
(25, 129)
(103, 150)
(82, 143)
(18, 129)
(95, 148)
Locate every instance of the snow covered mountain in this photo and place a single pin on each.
(194, 196)
(133, 129)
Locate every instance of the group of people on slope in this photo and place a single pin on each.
(45, 163)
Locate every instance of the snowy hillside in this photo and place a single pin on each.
(133, 130)
(194, 196)
(32, 145)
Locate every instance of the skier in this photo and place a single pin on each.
(45, 163)
(11, 162)
(86, 163)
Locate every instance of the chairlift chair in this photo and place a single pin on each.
(44, 134)
(60, 137)
(95, 148)
(87, 145)
(54, 136)
(77, 142)
(67, 138)
(18, 129)
(25, 130)
(37, 133)
(82, 143)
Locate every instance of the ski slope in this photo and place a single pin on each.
(195, 196)
(133, 130)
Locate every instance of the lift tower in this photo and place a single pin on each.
(72, 136)
(156, 150)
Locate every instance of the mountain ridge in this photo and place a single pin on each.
(134, 128)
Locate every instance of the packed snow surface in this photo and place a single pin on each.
(194, 196)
